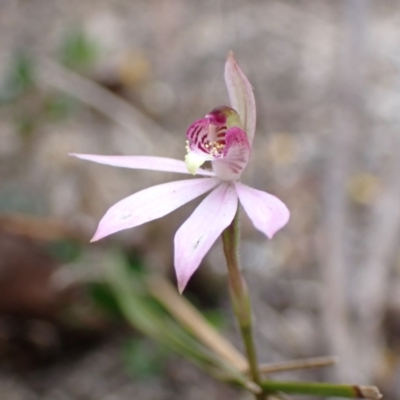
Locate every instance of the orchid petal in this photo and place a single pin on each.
(199, 232)
(267, 212)
(236, 155)
(150, 204)
(143, 162)
(241, 95)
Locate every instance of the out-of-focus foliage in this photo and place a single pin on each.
(77, 51)
(20, 77)
(31, 106)
(65, 251)
(143, 358)
(103, 296)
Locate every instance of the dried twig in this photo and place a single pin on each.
(323, 389)
(374, 282)
(188, 316)
(41, 228)
(292, 365)
(118, 110)
(342, 151)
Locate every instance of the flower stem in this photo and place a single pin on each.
(240, 296)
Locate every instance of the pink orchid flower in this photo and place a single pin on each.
(223, 137)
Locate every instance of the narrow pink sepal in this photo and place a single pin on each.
(150, 204)
(142, 162)
(235, 157)
(199, 232)
(241, 95)
(267, 212)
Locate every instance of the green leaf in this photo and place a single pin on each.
(65, 250)
(19, 78)
(143, 358)
(104, 297)
(77, 51)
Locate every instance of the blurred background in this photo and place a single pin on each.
(129, 77)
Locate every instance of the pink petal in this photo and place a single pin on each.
(241, 95)
(198, 233)
(142, 162)
(235, 156)
(151, 203)
(267, 212)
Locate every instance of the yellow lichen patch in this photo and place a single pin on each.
(363, 187)
(282, 148)
(134, 68)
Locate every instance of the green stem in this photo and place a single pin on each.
(322, 389)
(240, 296)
